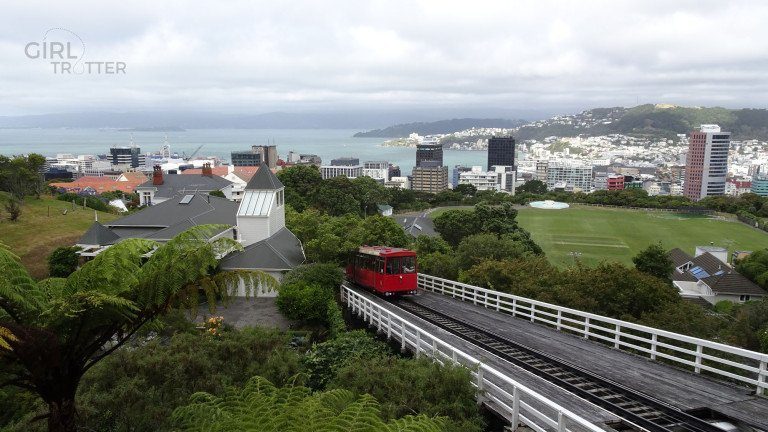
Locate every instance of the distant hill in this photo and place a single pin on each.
(651, 121)
(439, 127)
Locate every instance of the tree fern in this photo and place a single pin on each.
(260, 406)
(53, 331)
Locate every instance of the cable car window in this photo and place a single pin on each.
(409, 265)
(393, 265)
(380, 265)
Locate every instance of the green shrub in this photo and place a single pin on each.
(405, 386)
(138, 387)
(304, 301)
(325, 359)
(63, 261)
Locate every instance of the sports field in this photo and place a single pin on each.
(595, 234)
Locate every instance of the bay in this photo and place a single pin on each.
(326, 143)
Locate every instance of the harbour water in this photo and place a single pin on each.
(326, 143)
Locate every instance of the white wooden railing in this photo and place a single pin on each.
(518, 403)
(699, 355)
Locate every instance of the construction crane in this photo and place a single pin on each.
(195, 152)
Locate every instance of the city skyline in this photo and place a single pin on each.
(412, 57)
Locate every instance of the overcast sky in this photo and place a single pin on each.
(249, 56)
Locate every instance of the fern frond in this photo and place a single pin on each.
(6, 336)
(19, 294)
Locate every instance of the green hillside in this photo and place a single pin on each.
(43, 226)
(659, 122)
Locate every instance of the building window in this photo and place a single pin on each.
(744, 297)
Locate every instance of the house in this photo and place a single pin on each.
(163, 186)
(417, 225)
(708, 276)
(258, 223)
(384, 209)
(238, 175)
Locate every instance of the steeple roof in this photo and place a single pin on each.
(264, 179)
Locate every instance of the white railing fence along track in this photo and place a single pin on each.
(698, 355)
(517, 403)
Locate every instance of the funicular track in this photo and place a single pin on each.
(636, 408)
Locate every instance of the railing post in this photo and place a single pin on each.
(498, 301)
(480, 376)
(418, 343)
(559, 319)
(560, 422)
(762, 379)
(654, 340)
(389, 325)
(434, 348)
(586, 328)
(485, 294)
(515, 408)
(533, 312)
(699, 351)
(617, 338)
(514, 307)
(454, 356)
(402, 336)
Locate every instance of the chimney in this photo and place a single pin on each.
(207, 171)
(157, 175)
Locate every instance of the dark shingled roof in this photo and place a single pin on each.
(178, 184)
(733, 283)
(98, 234)
(679, 257)
(282, 251)
(264, 179)
(163, 221)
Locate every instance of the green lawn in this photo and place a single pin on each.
(597, 234)
(614, 234)
(42, 227)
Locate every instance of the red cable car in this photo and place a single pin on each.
(384, 270)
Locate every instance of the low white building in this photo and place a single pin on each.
(500, 178)
(349, 171)
(399, 183)
(377, 170)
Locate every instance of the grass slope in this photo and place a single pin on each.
(36, 234)
(617, 235)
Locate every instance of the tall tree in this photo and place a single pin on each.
(53, 331)
(654, 261)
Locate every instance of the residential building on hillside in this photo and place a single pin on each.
(349, 171)
(258, 223)
(501, 151)
(238, 175)
(706, 162)
(760, 185)
(707, 276)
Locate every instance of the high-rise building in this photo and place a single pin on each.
(245, 158)
(429, 155)
(257, 155)
(501, 151)
(431, 179)
(571, 177)
(268, 154)
(394, 171)
(706, 166)
(127, 156)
